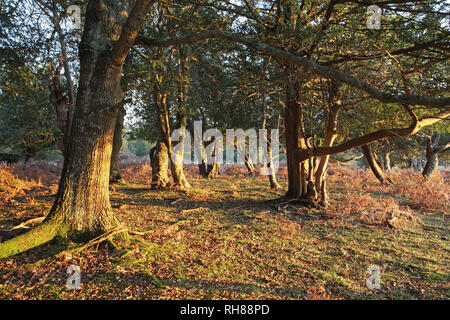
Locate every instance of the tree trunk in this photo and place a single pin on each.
(249, 165)
(159, 158)
(160, 155)
(115, 174)
(82, 209)
(334, 105)
(176, 166)
(209, 170)
(373, 164)
(432, 162)
(178, 176)
(176, 163)
(62, 108)
(432, 151)
(299, 183)
(292, 127)
(307, 178)
(387, 164)
(63, 104)
(271, 172)
(269, 165)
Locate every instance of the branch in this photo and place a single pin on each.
(323, 27)
(442, 147)
(28, 223)
(416, 47)
(417, 125)
(130, 31)
(324, 71)
(347, 160)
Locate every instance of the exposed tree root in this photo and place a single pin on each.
(103, 237)
(43, 233)
(285, 200)
(27, 224)
(278, 200)
(46, 232)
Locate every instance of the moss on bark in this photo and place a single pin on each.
(42, 234)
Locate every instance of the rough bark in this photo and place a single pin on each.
(82, 209)
(159, 158)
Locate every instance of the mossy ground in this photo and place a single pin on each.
(223, 240)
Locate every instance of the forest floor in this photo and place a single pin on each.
(222, 239)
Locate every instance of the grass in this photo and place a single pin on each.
(223, 240)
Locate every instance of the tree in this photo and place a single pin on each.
(432, 151)
(26, 119)
(280, 23)
(309, 42)
(82, 208)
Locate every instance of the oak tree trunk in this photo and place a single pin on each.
(334, 105)
(159, 156)
(82, 209)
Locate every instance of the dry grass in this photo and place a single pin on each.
(12, 186)
(409, 189)
(222, 240)
(430, 194)
(351, 188)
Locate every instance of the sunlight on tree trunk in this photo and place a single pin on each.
(373, 165)
(115, 174)
(82, 209)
